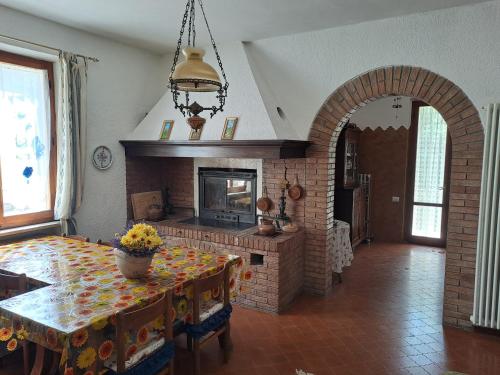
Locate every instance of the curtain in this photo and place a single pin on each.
(71, 139)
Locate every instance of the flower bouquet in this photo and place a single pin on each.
(134, 250)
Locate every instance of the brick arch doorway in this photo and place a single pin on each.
(467, 137)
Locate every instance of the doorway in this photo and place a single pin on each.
(427, 177)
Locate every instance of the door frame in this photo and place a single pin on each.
(410, 183)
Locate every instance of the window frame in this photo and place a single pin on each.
(410, 183)
(48, 215)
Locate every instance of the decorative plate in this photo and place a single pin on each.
(102, 158)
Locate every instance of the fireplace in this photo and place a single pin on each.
(227, 197)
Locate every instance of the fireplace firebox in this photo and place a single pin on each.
(227, 194)
(227, 197)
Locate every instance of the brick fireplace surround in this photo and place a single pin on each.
(316, 174)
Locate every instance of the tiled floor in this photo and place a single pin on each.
(383, 319)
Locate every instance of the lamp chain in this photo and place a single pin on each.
(179, 42)
(226, 84)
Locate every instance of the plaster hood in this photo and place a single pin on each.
(249, 98)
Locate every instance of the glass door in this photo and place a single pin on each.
(428, 177)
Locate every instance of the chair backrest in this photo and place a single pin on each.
(76, 237)
(13, 283)
(105, 243)
(208, 284)
(137, 318)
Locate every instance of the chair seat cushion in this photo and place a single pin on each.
(204, 315)
(211, 322)
(150, 359)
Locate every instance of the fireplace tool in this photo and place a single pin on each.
(284, 184)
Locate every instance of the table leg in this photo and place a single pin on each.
(39, 359)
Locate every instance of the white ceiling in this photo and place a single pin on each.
(154, 24)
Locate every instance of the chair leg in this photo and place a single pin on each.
(39, 360)
(171, 367)
(26, 357)
(196, 346)
(228, 345)
(189, 342)
(221, 338)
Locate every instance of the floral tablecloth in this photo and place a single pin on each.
(52, 259)
(342, 249)
(75, 316)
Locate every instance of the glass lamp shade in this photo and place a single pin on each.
(195, 75)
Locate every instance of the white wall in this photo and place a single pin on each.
(381, 114)
(244, 101)
(460, 44)
(296, 72)
(122, 87)
(299, 72)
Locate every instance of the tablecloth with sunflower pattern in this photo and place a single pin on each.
(76, 314)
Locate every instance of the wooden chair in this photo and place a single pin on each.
(105, 243)
(76, 237)
(159, 361)
(204, 334)
(19, 285)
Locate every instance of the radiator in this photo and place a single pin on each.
(486, 311)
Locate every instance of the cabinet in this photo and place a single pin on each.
(350, 202)
(350, 206)
(346, 158)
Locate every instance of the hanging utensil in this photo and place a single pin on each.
(264, 203)
(296, 191)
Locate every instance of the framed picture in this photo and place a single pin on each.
(229, 128)
(195, 135)
(166, 129)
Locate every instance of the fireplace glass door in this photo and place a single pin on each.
(227, 194)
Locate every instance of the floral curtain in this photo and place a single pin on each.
(71, 138)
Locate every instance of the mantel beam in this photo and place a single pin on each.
(252, 149)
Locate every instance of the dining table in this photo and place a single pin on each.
(77, 290)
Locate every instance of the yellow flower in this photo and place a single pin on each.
(106, 297)
(64, 356)
(165, 273)
(22, 334)
(182, 307)
(158, 323)
(189, 292)
(5, 334)
(86, 358)
(207, 296)
(99, 323)
(139, 289)
(12, 345)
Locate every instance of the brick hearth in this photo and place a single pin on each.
(276, 263)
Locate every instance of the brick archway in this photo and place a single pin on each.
(467, 149)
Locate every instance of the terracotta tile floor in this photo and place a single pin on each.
(385, 318)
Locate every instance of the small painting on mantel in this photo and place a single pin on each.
(166, 129)
(229, 128)
(195, 135)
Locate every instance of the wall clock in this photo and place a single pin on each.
(102, 158)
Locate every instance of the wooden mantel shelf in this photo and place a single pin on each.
(252, 149)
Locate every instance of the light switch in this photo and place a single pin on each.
(395, 199)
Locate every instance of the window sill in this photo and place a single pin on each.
(6, 234)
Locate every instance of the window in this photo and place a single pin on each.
(27, 141)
